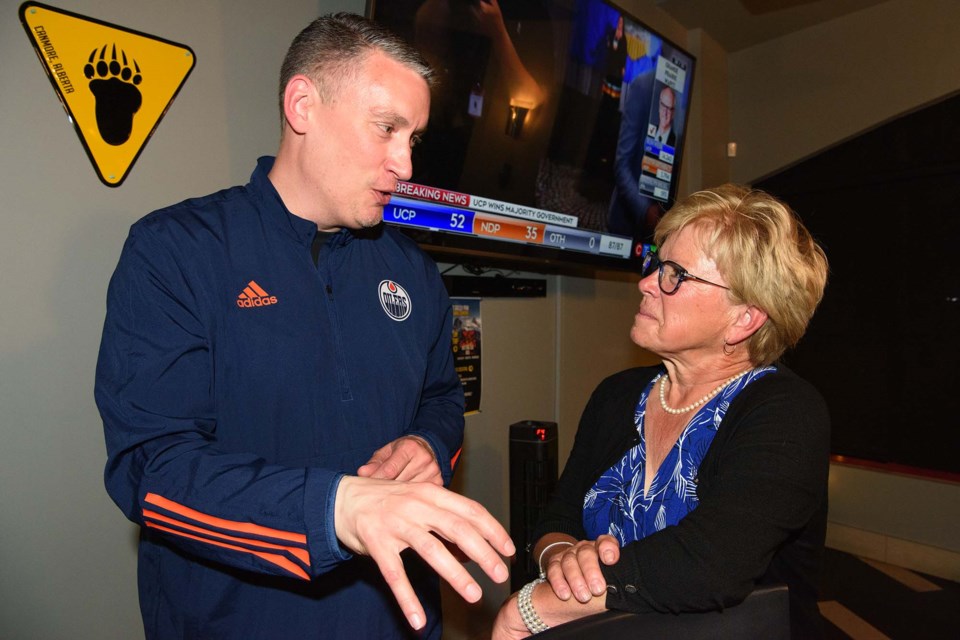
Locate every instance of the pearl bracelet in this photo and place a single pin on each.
(540, 559)
(528, 614)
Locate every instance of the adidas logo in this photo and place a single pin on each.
(253, 295)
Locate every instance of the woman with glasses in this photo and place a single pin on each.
(693, 482)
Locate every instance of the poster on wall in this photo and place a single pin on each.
(115, 83)
(466, 349)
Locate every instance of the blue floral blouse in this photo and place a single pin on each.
(617, 503)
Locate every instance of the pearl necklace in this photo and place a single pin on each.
(691, 407)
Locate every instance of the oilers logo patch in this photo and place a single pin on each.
(394, 299)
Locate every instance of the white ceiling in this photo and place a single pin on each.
(738, 24)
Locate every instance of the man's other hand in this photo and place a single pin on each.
(409, 458)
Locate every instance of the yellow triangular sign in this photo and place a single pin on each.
(115, 83)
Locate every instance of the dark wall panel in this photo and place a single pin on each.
(884, 347)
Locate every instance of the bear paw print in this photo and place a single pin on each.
(114, 86)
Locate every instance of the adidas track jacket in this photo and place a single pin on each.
(237, 383)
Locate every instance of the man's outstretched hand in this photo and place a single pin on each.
(381, 518)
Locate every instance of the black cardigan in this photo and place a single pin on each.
(762, 490)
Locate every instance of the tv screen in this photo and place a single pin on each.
(556, 131)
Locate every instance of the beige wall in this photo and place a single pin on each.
(792, 97)
(705, 161)
(906, 521)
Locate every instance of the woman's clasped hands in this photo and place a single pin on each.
(574, 569)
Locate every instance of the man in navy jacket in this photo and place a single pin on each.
(276, 382)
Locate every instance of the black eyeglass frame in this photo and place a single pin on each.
(652, 260)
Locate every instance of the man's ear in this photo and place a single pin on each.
(747, 322)
(299, 97)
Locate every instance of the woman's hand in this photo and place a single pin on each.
(576, 569)
(551, 610)
(509, 625)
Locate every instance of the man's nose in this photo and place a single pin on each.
(400, 161)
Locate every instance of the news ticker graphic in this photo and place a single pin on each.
(656, 169)
(467, 201)
(439, 217)
(659, 150)
(661, 170)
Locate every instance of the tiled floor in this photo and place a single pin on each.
(868, 600)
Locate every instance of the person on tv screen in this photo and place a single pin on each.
(633, 213)
(664, 133)
(276, 379)
(693, 482)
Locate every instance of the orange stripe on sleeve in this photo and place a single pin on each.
(272, 558)
(456, 456)
(301, 554)
(220, 523)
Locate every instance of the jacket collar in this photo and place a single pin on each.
(300, 229)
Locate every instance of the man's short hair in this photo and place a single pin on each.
(330, 50)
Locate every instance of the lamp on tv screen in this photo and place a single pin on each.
(556, 131)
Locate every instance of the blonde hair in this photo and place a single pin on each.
(765, 254)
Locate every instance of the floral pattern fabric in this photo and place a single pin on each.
(617, 503)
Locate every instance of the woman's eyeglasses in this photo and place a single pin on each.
(671, 275)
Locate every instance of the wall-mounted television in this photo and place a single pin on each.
(555, 137)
